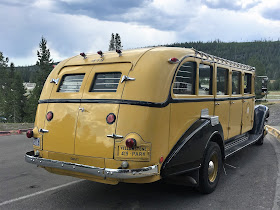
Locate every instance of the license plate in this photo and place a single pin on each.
(36, 142)
(141, 152)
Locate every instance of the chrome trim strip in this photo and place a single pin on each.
(101, 172)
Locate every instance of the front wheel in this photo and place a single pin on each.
(260, 141)
(210, 170)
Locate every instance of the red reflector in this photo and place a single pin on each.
(100, 53)
(83, 55)
(49, 116)
(111, 118)
(130, 143)
(161, 160)
(29, 133)
(173, 60)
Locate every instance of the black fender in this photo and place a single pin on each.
(188, 152)
(261, 112)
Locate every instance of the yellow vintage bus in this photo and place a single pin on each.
(142, 115)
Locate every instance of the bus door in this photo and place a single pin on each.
(236, 103)
(222, 102)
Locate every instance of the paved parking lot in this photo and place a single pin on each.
(250, 183)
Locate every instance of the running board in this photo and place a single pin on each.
(237, 143)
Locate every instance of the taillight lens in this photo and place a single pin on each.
(29, 133)
(49, 116)
(130, 143)
(111, 118)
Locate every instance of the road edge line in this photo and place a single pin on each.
(38, 193)
(273, 131)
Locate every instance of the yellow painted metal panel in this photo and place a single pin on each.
(92, 130)
(62, 127)
(124, 68)
(235, 118)
(152, 124)
(222, 110)
(247, 114)
(86, 70)
(183, 115)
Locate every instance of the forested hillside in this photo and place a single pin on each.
(262, 54)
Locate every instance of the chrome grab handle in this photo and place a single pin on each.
(232, 102)
(115, 136)
(41, 130)
(126, 78)
(82, 109)
(55, 81)
(217, 103)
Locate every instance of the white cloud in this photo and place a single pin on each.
(153, 22)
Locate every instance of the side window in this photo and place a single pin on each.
(236, 82)
(185, 79)
(205, 80)
(71, 83)
(222, 81)
(106, 82)
(247, 83)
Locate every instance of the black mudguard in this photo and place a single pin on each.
(187, 154)
(261, 112)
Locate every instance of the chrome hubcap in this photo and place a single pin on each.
(211, 167)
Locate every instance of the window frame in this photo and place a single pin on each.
(240, 82)
(62, 80)
(211, 85)
(250, 83)
(95, 77)
(194, 78)
(227, 81)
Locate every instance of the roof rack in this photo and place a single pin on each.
(217, 59)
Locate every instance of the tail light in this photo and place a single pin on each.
(29, 134)
(130, 143)
(49, 116)
(111, 118)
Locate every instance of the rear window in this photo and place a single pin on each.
(106, 82)
(71, 83)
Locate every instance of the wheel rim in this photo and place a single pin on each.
(213, 167)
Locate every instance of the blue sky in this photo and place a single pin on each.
(74, 26)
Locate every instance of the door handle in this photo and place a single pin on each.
(244, 101)
(82, 109)
(232, 102)
(217, 103)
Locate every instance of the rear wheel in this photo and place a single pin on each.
(210, 170)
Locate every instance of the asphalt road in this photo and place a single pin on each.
(250, 183)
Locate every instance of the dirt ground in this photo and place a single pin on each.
(274, 118)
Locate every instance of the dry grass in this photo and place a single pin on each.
(15, 126)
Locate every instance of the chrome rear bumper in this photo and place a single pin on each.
(102, 172)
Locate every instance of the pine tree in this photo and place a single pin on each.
(118, 42)
(3, 83)
(15, 98)
(112, 45)
(45, 66)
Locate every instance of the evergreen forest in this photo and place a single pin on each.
(16, 106)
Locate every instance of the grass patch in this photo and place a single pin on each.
(15, 126)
